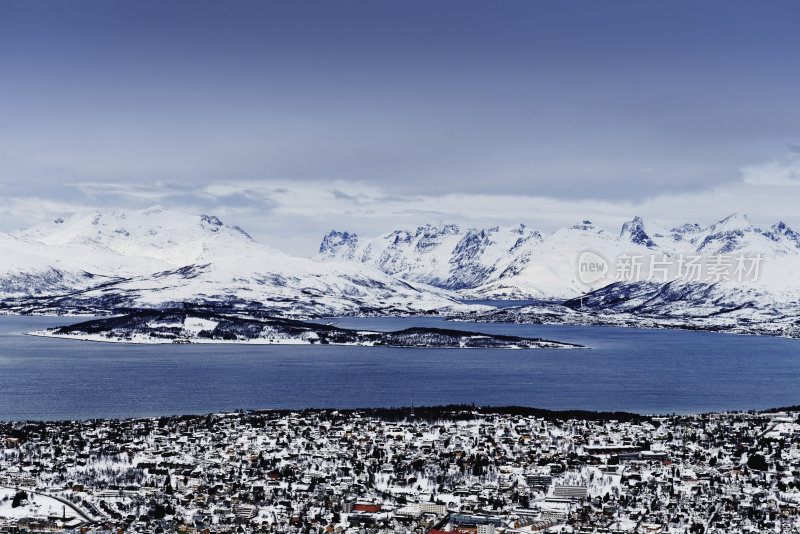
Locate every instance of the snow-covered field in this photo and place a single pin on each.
(35, 505)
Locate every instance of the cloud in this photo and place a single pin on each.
(147, 193)
(341, 195)
(294, 214)
(22, 212)
(783, 171)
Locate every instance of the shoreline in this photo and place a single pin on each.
(426, 411)
(613, 320)
(284, 342)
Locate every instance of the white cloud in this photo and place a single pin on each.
(783, 171)
(144, 192)
(294, 215)
(18, 213)
(370, 210)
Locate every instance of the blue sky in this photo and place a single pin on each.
(290, 118)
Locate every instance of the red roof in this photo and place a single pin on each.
(363, 507)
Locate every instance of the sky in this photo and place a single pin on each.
(294, 118)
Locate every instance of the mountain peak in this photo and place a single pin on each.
(782, 232)
(433, 230)
(634, 232)
(211, 220)
(782, 228)
(734, 232)
(336, 241)
(686, 228)
(733, 221)
(583, 225)
(171, 235)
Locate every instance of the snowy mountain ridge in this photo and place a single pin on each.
(115, 261)
(170, 236)
(517, 262)
(111, 260)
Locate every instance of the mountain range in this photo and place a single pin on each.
(116, 261)
(107, 261)
(520, 263)
(730, 276)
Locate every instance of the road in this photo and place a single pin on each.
(80, 512)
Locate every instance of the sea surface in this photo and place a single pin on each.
(645, 371)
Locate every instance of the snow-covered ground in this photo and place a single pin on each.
(35, 505)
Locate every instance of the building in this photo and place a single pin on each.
(570, 492)
(432, 508)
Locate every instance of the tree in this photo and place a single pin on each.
(757, 462)
(19, 497)
(159, 511)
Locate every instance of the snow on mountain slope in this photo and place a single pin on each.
(173, 237)
(443, 255)
(735, 233)
(781, 233)
(290, 289)
(492, 263)
(634, 231)
(550, 268)
(763, 301)
(31, 268)
(680, 304)
(155, 258)
(673, 299)
(676, 304)
(158, 257)
(658, 238)
(547, 267)
(289, 285)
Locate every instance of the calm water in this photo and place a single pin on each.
(649, 371)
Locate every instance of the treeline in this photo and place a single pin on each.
(463, 412)
(25, 430)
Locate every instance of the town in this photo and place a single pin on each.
(460, 469)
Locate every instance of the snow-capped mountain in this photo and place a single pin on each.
(513, 262)
(111, 260)
(522, 263)
(549, 269)
(31, 268)
(114, 260)
(175, 238)
(443, 255)
(733, 234)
